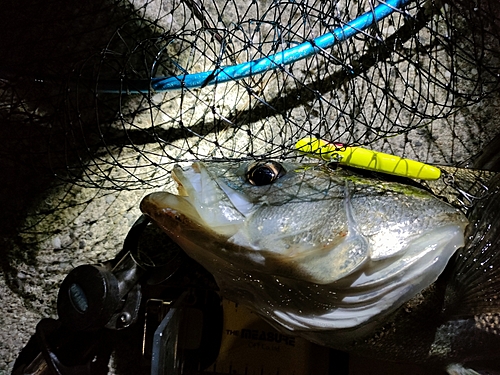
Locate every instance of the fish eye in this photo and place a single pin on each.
(264, 172)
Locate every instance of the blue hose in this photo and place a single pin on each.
(285, 57)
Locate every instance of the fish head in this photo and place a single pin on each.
(304, 244)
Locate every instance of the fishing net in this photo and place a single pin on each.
(99, 100)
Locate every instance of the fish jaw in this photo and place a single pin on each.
(180, 220)
(205, 200)
(202, 217)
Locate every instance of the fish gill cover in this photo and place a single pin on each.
(87, 128)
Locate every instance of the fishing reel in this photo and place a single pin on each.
(152, 293)
(150, 283)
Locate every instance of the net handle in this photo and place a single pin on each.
(264, 64)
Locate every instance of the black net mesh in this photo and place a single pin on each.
(84, 136)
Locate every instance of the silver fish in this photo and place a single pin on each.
(342, 259)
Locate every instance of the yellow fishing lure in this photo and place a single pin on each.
(367, 159)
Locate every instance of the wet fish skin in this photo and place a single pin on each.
(430, 327)
(457, 318)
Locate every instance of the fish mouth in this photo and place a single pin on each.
(202, 199)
